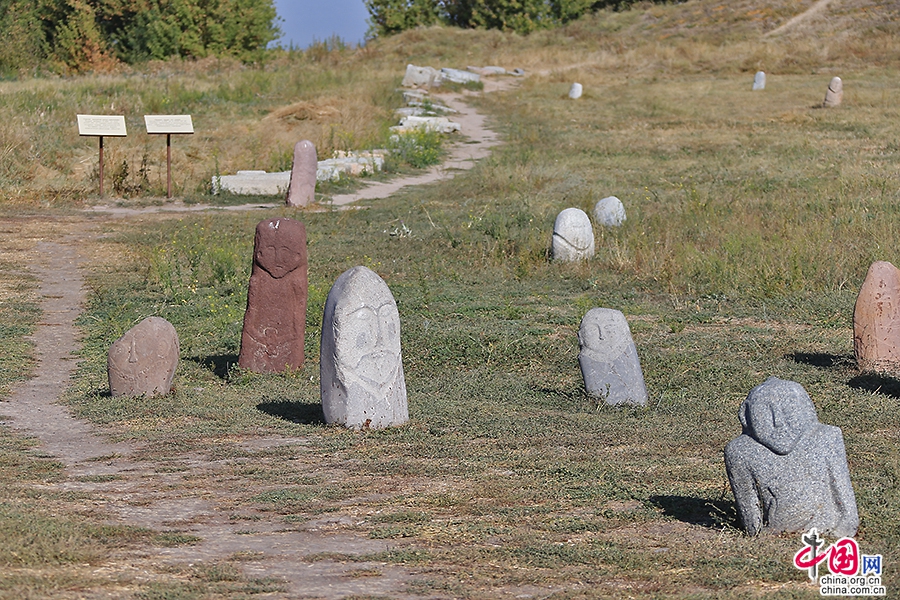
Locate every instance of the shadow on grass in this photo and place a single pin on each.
(219, 364)
(877, 384)
(304, 413)
(822, 360)
(698, 511)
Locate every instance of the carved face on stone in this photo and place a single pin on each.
(777, 413)
(603, 334)
(279, 246)
(367, 334)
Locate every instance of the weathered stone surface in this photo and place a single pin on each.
(876, 320)
(573, 236)
(260, 183)
(143, 361)
(458, 76)
(609, 212)
(609, 360)
(788, 472)
(350, 163)
(487, 71)
(759, 81)
(835, 93)
(253, 183)
(275, 320)
(575, 91)
(302, 188)
(421, 77)
(361, 369)
(439, 124)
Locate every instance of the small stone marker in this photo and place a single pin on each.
(573, 236)
(876, 320)
(101, 126)
(788, 472)
(575, 91)
(609, 212)
(609, 360)
(759, 81)
(835, 93)
(168, 125)
(143, 361)
(361, 369)
(302, 189)
(275, 321)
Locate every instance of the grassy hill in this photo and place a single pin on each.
(752, 218)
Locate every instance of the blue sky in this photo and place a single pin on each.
(307, 20)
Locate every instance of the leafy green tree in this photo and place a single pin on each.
(524, 16)
(393, 16)
(77, 35)
(23, 37)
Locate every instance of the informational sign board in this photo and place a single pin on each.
(161, 124)
(102, 125)
(168, 125)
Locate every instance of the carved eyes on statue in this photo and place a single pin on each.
(278, 260)
(372, 330)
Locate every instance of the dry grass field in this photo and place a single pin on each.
(752, 218)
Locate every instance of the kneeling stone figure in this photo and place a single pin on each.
(788, 472)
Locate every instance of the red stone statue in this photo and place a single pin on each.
(275, 321)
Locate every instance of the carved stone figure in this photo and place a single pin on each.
(302, 190)
(275, 320)
(759, 81)
(573, 236)
(143, 361)
(788, 472)
(361, 369)
(609, 360)
(835, 93)
(876, 320)
(609, 212)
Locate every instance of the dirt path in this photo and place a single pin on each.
(794, 21)
(193, 494)
(463, 156)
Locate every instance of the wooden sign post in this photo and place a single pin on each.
(168, 125)
(101, 126)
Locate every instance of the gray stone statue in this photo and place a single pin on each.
(788, 472)
(573, 236)
(361, 369)
(759, 81)
(834, 95)
(609, 360)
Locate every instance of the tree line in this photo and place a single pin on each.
(523, 16)
(70, 36)
(79, 35)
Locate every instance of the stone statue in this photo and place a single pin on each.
(275, 321)
(302, 189)
(876, 320)
(788, 472)
(609, 360)
(759, 81)
(573, 236)
(361, 369)
(834, 94)
(143, 361)
(609, 212)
